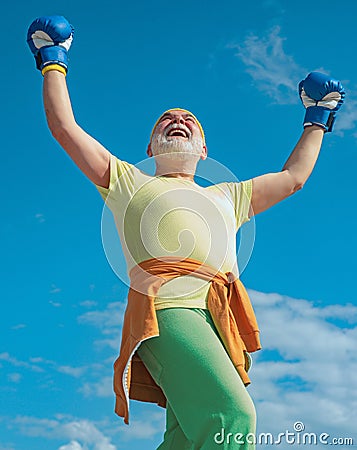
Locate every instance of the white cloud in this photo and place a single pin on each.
(55, 304)
(82, 434)
(101, 388)
(36, 360)
(5, 356)
(88, 303)
(88, 433)
(273, 71)
(75, 372)
(311, 374)
(39, 364)
(40, 218)
(347, 116)
(54, 289)
(14, 377)
(108, 321)
(276, 73)
(73, 445)
(147, 428)
(19, 326)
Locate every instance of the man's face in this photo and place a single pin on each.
(178, 136)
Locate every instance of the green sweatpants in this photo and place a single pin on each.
(206, 399)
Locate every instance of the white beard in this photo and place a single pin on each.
(176, 148)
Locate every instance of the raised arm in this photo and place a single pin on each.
(87, 153)
(272, 188)
(49, 39)
(322, 97)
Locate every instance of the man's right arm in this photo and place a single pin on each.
(87, 153)
(49, 39)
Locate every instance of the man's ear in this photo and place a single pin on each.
(149, 151)
(204, 153)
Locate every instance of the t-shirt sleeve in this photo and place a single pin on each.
(121, 180)
(241, 197)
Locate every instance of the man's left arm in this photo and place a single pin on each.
(322, 96)
(271, 188)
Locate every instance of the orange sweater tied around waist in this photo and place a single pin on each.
(228, 303)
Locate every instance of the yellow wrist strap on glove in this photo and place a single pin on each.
(54, 67)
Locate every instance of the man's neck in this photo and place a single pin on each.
(184, 169)
(183, 176)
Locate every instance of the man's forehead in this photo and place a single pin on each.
(176, 112)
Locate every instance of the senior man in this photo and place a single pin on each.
(189, 325)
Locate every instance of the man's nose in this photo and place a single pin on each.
(178, 119)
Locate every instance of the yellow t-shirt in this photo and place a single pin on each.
(165, 216)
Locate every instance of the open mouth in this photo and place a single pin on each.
(177, 132)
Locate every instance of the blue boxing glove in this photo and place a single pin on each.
(322, 97)
(49, 39)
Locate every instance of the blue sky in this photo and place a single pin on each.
(236, 65)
